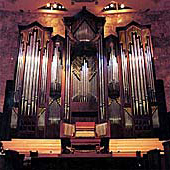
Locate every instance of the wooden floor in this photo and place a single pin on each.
(52, 147)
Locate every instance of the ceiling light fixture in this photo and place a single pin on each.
(53, 6)
(114, 6)
(111, 5)
(122, 6)
(48, 5)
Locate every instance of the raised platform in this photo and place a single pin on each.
(128, 147)
(45, 147)
(52, 147)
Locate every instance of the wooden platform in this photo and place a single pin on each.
(45, 147)
(52, 147)
(128, 147)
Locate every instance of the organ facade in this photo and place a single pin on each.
(85, 85)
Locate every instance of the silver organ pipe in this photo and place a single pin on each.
(29, 74)
(44, 74)
(67, 80)
(20, 70)
(36, 76)
(56, 69)
(30, 85)
(84, 86)
(113, 76)
(26, 104)
(138, 77)
(113, 85)
(148, 57)
(125, 75)
(101, 79)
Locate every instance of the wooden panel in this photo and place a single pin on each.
(83, 107)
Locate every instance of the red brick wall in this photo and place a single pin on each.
(9, 21)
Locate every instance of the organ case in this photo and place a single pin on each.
(31, 83)
(137, 79)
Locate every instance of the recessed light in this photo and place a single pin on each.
(122, 6)
(112, 5)
(55, 5)
(48, 4)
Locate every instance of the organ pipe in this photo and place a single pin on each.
(150, 76)
(125, 75)
(85, 82)
(84, 32)
(101, 79)
(44, 74)
(113, 77)
(20, 70)
(56, 70)
(67, 81)
(138, 77)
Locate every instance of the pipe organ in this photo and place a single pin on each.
(85, 77)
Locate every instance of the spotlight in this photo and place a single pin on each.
(59, 7)
(111, 5)
(122, 6)
(48, 4)
(107, 7)
(55, 6)
(63, 7)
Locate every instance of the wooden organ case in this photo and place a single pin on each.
(31, 83)
(85, 80)
(38, 82)
(85, 88)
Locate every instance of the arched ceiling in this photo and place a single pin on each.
(33, 5)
